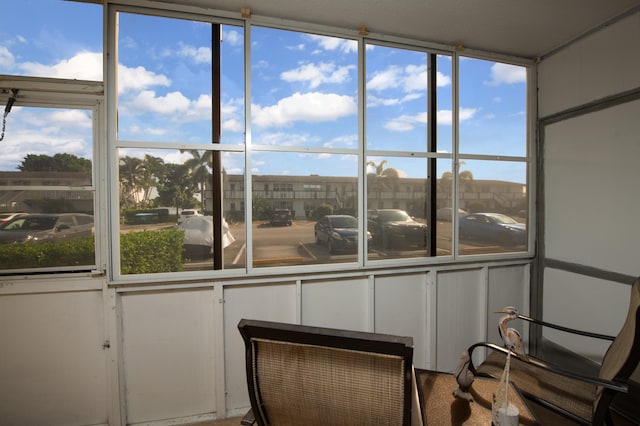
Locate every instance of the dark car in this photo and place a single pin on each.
(493, 228)
(33, 228)
(339, 232)
(281, 217)
(395, 229)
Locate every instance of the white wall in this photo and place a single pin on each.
(175, 353)
(591, 176)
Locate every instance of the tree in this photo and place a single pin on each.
(199, 167)
(57, 163)
(382, 178)
(176, 188)
(129, 173)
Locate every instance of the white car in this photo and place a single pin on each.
(186, 214)
(198, 235)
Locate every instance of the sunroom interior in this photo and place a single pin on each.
(478, 155)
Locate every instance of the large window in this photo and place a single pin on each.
(235, 146)
(341, 164)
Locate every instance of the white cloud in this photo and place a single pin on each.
(446, 117)
(71, 118)
(7, 60)
(507, 74)
(139, 78)
(411, 79)
(405, 123)
(317, 74)
(234, 38)
(147, 100)
(82, 66)
(386, 79)
(310, 107)
(334, 43)
(199, 55)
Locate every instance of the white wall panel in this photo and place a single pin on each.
(52, 364)
(273, 302)
(598, 66)
(400, 309)
(583, 303)
(342, 304)
(591, 183)
(460, 318)
(508, 286)
(168, 351)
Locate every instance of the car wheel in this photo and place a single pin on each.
(331, 249)
(318, 239)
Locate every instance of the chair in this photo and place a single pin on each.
(581, 398)
(301, 375)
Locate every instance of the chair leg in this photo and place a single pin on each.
(248, 419)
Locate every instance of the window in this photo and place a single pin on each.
(305, 144)
(180, 137)
(48, 197)
(492, 177)
(427, 139)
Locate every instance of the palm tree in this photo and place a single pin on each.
(382, 178)
(200, 168)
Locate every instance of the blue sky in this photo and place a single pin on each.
(304, 92)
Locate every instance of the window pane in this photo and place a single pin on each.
(164, 191)
(34, 44)
(165, 80)
(444, 104)
(397, 200)
(494, 193)
(396, 93)
(304, 89)
(295, 206)
(46, 176)
(493, 106)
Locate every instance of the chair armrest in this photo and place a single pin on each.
(616, 386)
(566, 329)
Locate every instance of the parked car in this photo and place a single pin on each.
(187, 213)
(395, 229)
(6, 217)
(446, 214)
(32, 228)
(281, 217)
(198, 236)
(493, 228)
(338, 232)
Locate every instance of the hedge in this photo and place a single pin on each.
(145, 252)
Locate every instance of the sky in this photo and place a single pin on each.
(304, 94)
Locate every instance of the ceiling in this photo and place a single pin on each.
(523, 28)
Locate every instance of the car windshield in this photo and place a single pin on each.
(506, 220)
(32, 223)
(394, 216)
(344, 222)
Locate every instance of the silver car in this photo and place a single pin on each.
(33, 228)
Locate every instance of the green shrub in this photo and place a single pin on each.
(145, 252)
(149, 252)
(79, 251)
